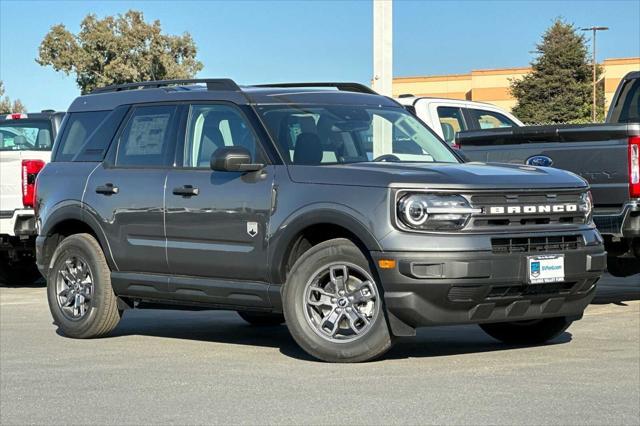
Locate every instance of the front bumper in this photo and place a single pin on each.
(624, 223)
(439, 288)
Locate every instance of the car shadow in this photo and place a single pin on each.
(227, 328)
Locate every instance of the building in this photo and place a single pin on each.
(492, 85)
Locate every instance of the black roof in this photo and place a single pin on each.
(226, 90)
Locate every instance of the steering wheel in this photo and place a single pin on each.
(387, 158)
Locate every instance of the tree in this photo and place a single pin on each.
(118, 49)
(6, 106)
(559, 87)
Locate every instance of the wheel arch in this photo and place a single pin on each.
(70, 219)
(315, 226)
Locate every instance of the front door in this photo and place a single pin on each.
(216, 222)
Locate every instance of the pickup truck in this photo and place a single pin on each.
(606, 155)
(446, 117)
(25, 147)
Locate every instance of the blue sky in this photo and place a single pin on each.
(267, 41)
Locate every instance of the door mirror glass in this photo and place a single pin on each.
(233, 159)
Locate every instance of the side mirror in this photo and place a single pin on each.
(233, 159)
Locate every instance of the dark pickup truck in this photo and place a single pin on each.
(606, 155)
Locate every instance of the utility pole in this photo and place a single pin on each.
(382, 46)
(595, 65)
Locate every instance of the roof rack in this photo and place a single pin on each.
(346, 87)
(212, 84)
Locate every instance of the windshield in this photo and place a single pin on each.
(338, 134)
(25, 135)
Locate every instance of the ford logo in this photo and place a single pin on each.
(539, 160)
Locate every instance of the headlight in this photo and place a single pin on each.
(434, 212)
(586, 206)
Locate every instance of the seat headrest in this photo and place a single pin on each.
(308, 149)
(448, 132)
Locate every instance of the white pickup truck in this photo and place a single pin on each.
(447, 117)
(25, 147)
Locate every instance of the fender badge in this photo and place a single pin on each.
(252, 228)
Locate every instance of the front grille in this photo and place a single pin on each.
(480, 293)
(536, 244)
(516, 211)
(530, 290)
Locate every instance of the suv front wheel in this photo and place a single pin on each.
(79, 291)
(333, 305)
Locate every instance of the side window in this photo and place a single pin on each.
(451, 121)
(211, 127)
(78, 128)
(490, 119)
(148, 138)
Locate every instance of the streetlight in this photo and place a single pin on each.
(593, 41)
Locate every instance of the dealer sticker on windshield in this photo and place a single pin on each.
(545, 269)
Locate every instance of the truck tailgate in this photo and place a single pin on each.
(11, 176)
(598, 153)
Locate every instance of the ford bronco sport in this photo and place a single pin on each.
(324, 205)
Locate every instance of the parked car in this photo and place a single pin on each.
(335, 210)
(446, 117)
(607, 155)
(25, 147)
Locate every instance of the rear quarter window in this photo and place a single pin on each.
(86, 136)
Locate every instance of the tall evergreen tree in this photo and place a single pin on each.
(559, 87)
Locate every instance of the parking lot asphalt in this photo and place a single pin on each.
(210, 367)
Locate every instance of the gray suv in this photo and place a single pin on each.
(324, 205)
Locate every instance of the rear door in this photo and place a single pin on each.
(126, 192)
(217, 222)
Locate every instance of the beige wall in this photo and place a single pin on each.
(492, 85)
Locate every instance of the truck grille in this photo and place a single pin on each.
(536, 244)
(530, 211)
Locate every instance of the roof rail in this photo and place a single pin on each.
(346, 87)
(212, 84)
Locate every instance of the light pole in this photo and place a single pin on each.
(383, 46)
(595, 64)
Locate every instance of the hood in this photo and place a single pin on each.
(437, 175)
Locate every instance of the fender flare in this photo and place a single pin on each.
(76, 210)
(316, 214)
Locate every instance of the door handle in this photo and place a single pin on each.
(186, 191)
(107, 189)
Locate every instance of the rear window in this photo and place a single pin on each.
(25, 135)
(78, 128)
(627, 107)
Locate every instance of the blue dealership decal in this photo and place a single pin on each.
(539, 160)
(535, 269)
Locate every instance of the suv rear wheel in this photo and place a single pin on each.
(527, 332)
(333, 306)
(81, 299)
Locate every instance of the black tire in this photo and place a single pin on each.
(527, 332)
(261, 318)
(623, 266)
(103, 315)
(374, 342)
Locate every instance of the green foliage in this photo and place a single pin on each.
(118, 49)
(559, 88)
(6, 106)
